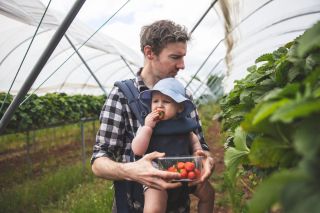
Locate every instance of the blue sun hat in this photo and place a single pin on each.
(172, 88)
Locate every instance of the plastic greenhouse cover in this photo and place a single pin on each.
(102, 53)
(259, 26)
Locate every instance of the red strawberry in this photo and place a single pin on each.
(172, 169)
(197, 172)
(180, 165)
(189, 166)
(191, 175)
(183, 173)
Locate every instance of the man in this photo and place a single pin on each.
(164, 45)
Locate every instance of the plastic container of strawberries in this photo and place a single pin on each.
(189, 167)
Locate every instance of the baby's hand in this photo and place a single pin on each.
(151, 119)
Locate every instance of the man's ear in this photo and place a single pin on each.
(148, 52)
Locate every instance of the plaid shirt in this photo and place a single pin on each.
(115, 134)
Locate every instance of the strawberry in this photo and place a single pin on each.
(160, 113)
(191, 175)
(172, 169)
(189, 166)
(180, 165)
(183, 173)
(197, 172)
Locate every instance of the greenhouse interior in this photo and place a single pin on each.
(252, 67)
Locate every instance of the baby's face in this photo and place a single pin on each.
(166, 104)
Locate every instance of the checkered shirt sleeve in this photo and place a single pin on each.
(113, 139)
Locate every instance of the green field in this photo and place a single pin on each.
(46, 171)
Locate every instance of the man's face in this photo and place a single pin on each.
(170, 60)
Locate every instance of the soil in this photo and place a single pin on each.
(22, 164)
(214, 140)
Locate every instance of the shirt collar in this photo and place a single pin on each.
(139, 80)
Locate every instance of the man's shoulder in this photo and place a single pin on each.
(126, 81)
(119, 85)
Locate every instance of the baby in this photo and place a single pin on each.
(168, 128)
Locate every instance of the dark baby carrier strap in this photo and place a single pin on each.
(131, 92)
(128, 194)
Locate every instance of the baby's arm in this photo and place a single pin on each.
(140, 143)
(195, 143)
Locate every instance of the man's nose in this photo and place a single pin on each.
(180, 64)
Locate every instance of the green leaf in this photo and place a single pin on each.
(307, 137)
(269, 191)
(266, 109)
(253, 78)
(313, 78)
(265, 57)
(262, 128)
(281, 72)
(288, 91)
(293, 73)
(279, 53)
(296, 109)
(267, 152)
(309, 40)
(232, 158)
(302, 196)
(268, 83)
(289, 44)
(240, 140)
(312, 61)
(233, 155)
(252, 69)
(316, 93)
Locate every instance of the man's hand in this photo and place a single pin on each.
(208, 167)
(142, 171)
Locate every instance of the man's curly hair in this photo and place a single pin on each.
(160, 33)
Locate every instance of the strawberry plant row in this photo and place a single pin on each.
(272, 119)
(51, 109)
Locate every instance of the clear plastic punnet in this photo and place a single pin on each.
(189, 167)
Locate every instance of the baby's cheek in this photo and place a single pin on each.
(153, 108)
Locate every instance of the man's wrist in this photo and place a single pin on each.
(124, 171)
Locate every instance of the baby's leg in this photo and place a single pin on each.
(155, 201)
(205, 193)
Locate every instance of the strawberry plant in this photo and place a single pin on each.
(272, 119)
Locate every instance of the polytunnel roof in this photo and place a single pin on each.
(256, 27)
(104, 55)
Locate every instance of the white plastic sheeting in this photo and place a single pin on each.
(104, 55)
(273, 24)
(259, 26)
